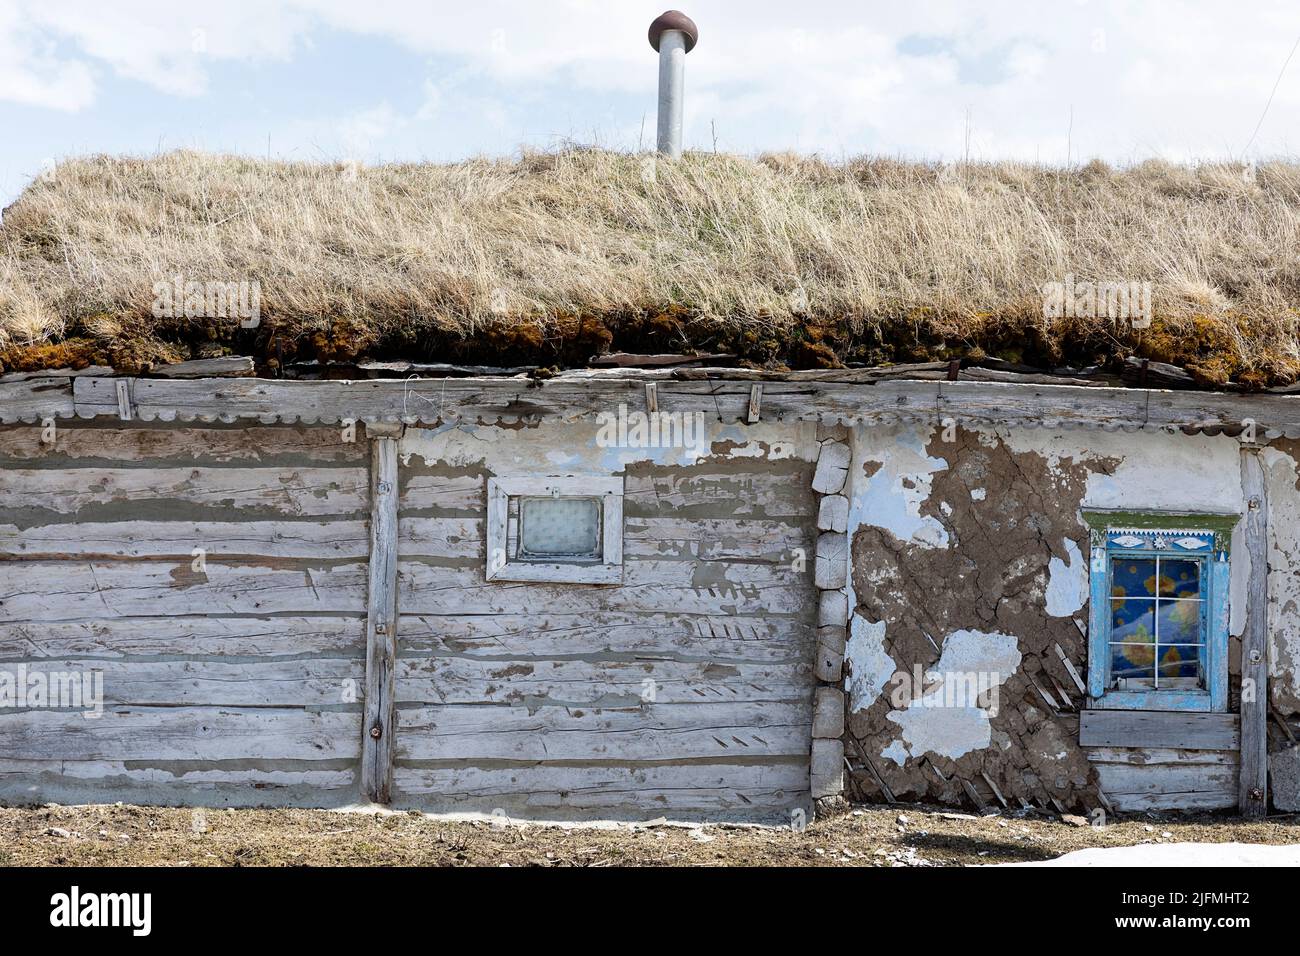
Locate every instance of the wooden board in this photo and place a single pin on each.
(648, 585)
(1145, 728)
(380, 725)
(1166, 786)
(79, 590)
(1253, 795)
(311, 682)
(335, 539)
(562, 791)
(36, 398)
(575, 395)
(181, 733)
(653, 732)
(596, 683)
(84, 444)
(200, 637)
(256, 491)
(644, 636)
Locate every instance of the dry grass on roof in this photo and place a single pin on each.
(553, 257)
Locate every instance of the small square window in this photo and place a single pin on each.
(1158, 633)
(551, 528)
(566, 530)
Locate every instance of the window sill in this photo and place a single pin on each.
(529, 571)
(1193, 701)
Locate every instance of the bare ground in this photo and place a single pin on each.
(121, 835)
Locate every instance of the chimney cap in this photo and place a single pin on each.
(674, 20)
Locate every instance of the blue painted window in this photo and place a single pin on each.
(1158, 632)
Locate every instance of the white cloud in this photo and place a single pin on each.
(1181, 79)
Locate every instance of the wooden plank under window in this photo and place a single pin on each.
(1150, 728)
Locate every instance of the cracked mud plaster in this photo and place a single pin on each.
(1010, 522)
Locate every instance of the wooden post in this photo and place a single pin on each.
(380, 722)
(1253, 794)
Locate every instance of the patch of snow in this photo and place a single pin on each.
(1178, 854)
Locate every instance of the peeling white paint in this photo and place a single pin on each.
(574, 447)
(978, 494)
(1067, 582)
(869, 666)
(931, 724)
(895, 752)
(891, 498)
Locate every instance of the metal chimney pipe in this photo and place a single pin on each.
(673, 35)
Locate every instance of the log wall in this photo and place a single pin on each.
(230, 674)
(687, 689)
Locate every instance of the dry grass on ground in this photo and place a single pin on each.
(148, 836)
(556, 256)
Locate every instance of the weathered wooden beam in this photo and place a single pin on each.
(577, 396)
(224, 366)
(1150, 728)
(30, 400)
(380, 723)
(1253, 784)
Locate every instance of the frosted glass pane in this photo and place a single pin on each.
(568, 527)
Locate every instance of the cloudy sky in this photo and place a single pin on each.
(377, 80)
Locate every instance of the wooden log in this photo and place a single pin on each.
(226, 366)
(1148, 728)
(576, 396)
(833, 513)
(832, 468)
(1253, 783)
(219, 540)
(722, 639)
(593, 682)
(1134, 787)
(832, 568)
(380, 722)
(828, 665)
(33, 399)
(309, 682)
(79, 590)
(695, 787)
(826, 773)
(264, 445)
(828, 713)
(697, 539)
(746, 730)
(1147, 756)
(648, 585)
(191, 638)
(296, 492)
(832, 609)
(181, 733)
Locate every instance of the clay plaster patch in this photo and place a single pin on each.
(941, 722)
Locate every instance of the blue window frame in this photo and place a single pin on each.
(1158, 618)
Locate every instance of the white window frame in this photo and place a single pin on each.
(502, 567)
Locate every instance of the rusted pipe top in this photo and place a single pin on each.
(674, 20)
